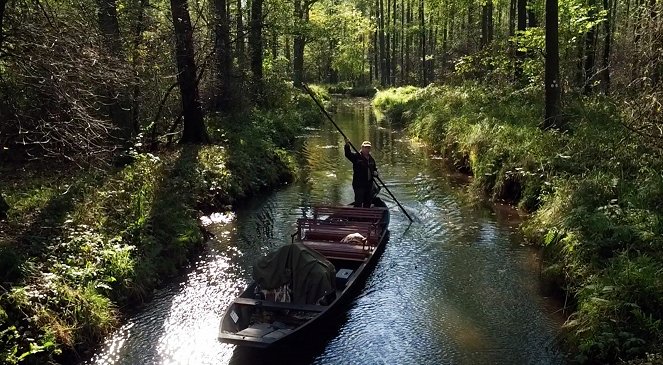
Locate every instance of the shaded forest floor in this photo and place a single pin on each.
(595, 192)
(80, 247)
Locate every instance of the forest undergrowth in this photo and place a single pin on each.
(82, 246)
(594, 191)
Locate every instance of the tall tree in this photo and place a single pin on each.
(302, 8)
(531, 15)
(607, 42)
(194, 126)
(138, 30)
(394, 44)
(553, 85)
(422, 42)
(116, 99)
(521, 6)
(255, 44)
(4, 207)
(383, 57)
(590, 51)
(224, 61)
(408, 41)
(239, 47)
(512, 17)
(486, 23)
(3, 3)
(402, 38)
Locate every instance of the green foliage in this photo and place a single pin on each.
(596, 192)
(393, 103)
(113, 236)
(338, 37)
(619, 313)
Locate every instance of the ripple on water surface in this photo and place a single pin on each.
(455, 287)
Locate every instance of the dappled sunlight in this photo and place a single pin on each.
(452, 287)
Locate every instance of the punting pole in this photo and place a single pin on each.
(353, 147)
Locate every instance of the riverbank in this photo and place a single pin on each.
(594, 192)
(80, 247)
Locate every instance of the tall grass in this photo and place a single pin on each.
(595, 192)
(85, 245)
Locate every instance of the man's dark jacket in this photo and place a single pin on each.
(362, 168)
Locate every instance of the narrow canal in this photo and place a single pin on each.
(458, 286)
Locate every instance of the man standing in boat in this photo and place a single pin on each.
(364, 169)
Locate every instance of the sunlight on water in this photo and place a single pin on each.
(455, 287)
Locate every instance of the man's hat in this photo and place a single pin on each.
(366, 144)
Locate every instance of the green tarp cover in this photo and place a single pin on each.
(310, 275)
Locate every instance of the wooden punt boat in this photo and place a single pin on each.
(253, 321)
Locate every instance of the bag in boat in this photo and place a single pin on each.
(309, 275)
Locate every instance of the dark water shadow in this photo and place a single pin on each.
(304, 350)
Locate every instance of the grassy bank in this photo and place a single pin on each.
(80, 247)
(595, 193)
(354, 91)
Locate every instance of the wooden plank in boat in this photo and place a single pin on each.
(256, 331)
(267, 304)
(335, 231)
(278, 334)
(342, 251)
(350, 212)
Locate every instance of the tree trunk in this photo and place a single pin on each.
(3, 3)
(275, 45)
(109, 26)
(486, 23)
(376, 61)
(239, 47)
(255, 44)
(298, 45)
(607, 40)
(432, 33)
(409, 41)
(531, 16)
(402, 60)
(387, 42)
(512, 18)
(394, 47)
(470, 23)
(117, 100)
(362, 70)
(657, 43)
(4, 207)
(137, 40)
(194, 126)
(590, 51)
(383, 59)
(522, 25)
(552, 87)
(224, 61)
(422, 42)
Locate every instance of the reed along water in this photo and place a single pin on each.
(457, 286)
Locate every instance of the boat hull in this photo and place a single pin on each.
(319, 315)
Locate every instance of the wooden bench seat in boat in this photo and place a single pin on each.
(324, 230)
(355, 214)
(337, 250)
(268, 304)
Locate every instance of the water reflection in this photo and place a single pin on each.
(455, 287)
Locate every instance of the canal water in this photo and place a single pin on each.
(457, 286)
